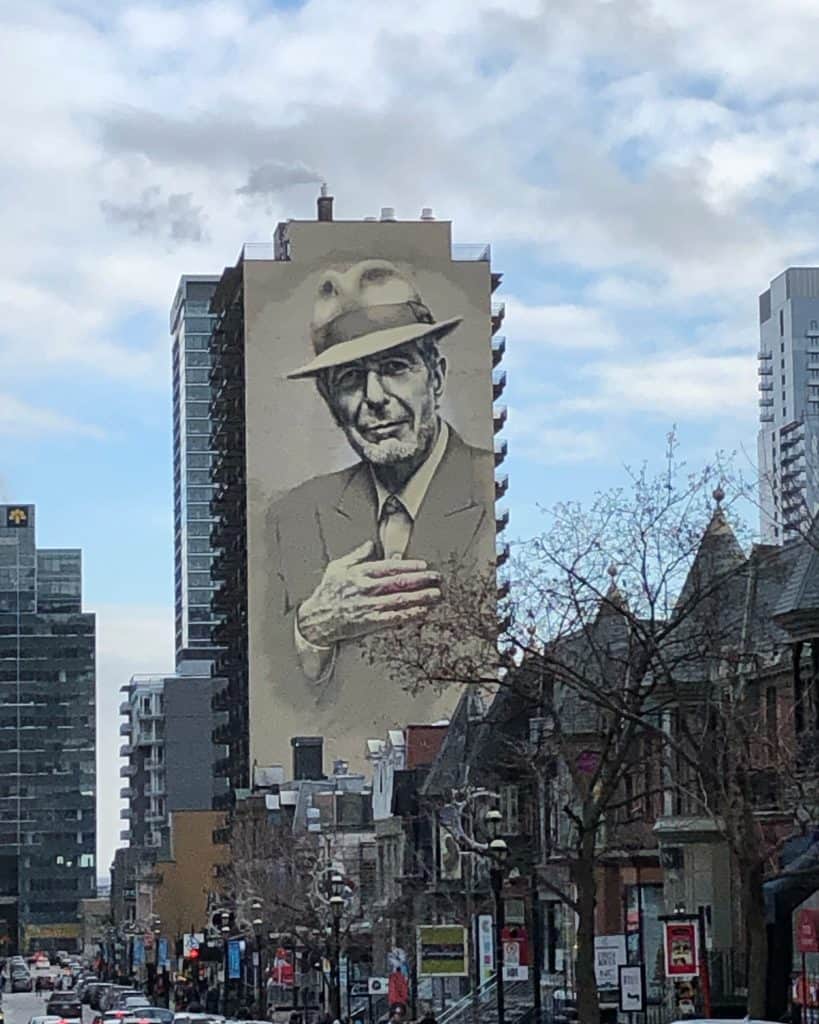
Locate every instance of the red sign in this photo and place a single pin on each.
(282, 970)
(681, 949)
(807, 931)
(519, 936)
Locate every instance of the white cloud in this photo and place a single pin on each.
(561, 326)
(22, 420)
(684, 386)
(535, 436)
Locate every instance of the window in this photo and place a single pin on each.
(771, 724)
(509, 808)
(781, 322)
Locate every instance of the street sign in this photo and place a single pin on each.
(511, 954)
(442, 951)
(632, 988)
(515, 973)
(609, 954)
(377, 986)
(486, 947)
(234, 958)
(807, 931)
(681, 948)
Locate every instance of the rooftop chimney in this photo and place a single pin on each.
(387, 213)
(426, 213)
(308, 757)
(325, 204)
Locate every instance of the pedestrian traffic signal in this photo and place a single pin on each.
(194, 954)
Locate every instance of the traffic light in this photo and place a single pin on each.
(194, 954)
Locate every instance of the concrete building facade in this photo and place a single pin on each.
(169, 753)
(788, 442)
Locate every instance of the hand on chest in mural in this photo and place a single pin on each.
(356, 597)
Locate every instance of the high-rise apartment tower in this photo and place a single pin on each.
(191, 323)
(788, 445)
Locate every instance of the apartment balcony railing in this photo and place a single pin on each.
(764, 402)
(765, 385)
(474, 252)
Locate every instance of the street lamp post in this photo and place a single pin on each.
(498, 852)
(256, 909)
(336, 908)
(225, 930)
(156, 927)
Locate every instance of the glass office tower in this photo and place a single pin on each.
(47, 741)
(190, 324)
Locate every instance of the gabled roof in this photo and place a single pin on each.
(797, 610)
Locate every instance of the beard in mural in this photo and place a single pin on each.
(363, 549)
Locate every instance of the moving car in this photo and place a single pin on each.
(65, 1005)
(130, 1000)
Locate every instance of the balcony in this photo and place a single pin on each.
(501, 451)
(126, 771)
(765, 385)
(125, 729)
(126, 793)
(502, 521)
(764, 356)
(766, 417)
(764, 402)
(472, 252)
(499, 418)
(125, 834)
(126, 750)
(498, 315)
(498, 349)
(501, 487)
(125, 813)
(125, 708)
(502, 555)
(765, 370)
(498, 384)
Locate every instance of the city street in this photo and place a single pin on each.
(20, 1007)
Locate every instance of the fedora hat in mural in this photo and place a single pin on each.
(369, 308)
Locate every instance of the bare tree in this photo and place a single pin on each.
(607, 607)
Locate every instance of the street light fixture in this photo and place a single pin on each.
(336, 909)
(156, 927)
(498, 853)
(256, 909)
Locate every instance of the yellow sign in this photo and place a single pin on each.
(16, 517)
(51, 931)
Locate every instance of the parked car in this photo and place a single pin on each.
(130, 1000)
(96, 992)
(66, 1006)
(21, 982)
(109, 1000)
(150, 1015)
(42, 1018)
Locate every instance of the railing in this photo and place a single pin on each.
(484, 997)
(478, 251)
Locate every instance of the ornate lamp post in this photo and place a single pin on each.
(498, 852)
(156, 928)
(336, 909)
(225, 932)
(257, 922)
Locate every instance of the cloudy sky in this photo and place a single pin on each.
(641, 167)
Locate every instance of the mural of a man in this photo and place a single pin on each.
(362, 549)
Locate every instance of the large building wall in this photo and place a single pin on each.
(293, 445)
